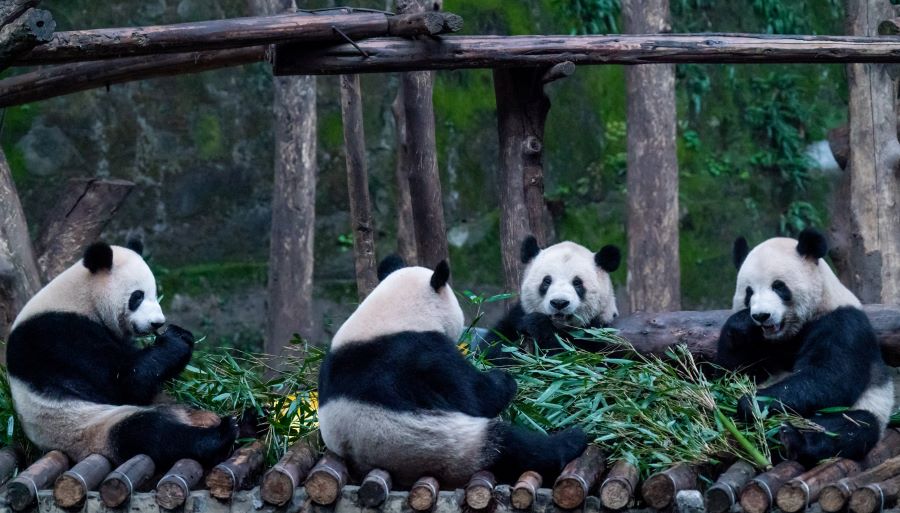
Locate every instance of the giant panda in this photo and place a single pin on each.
(564, 286)
(396, 393)
(796, 325)
(79, 382)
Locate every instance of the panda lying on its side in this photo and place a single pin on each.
(564, 286)
(796, 322)
(395, 392)
(80, 384)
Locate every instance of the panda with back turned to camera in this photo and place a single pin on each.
(796, 325)
(396, 393)
(79, 382)
(564, 286)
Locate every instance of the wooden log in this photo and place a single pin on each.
(53, 81)
(480, 490)
(9, 461)
(522, 495)
(22, 491)
(723, 494)
(375, 488)
(886, 448)
(76, 220)
(326, 479)
(578, 478)
(424, 24)
(71, 488)
(617, 490)
(122, 482)
(280, 481)
(406, 235)
(834, 496)
(96, 44)
(424, 176)
(362, 219)
(12, 9)
(659, 490)
(237, 472)
(875, 497)
(803, 490)
(33, 27)
(424, 494)
(758, 495)
(173, 488)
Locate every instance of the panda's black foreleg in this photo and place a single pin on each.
(152, 366)
(517, 449)
(848, 434)
(165, 439)
(540, 327)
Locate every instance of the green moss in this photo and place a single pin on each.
(331, 130)
(203, 279)
(208, 137)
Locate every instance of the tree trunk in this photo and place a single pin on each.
(358, 186)
(406, 235)
(654, 277)
(293, 206)
(19, 278)
(424, 176)
(33, 27)
(867, 234)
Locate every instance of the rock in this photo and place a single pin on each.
(689, 501)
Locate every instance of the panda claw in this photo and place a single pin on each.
(792, 441)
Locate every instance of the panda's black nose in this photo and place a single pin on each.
(559, 304)
(156, 325)
(761, 317)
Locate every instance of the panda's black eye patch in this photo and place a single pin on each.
(545, 284)
(749, 294)
(137, 297)
(783, 291)
(579, 287)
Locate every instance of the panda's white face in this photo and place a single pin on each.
(564, 282)
(784, 289)
(127, 293)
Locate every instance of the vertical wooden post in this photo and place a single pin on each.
(654, 278)
(358, 185)
(522, 107)
(424, 176)
(290, 285)
(19, 278)
(406, 234)
(866, 237)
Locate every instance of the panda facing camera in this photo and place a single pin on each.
(80, 384)
(803, 335)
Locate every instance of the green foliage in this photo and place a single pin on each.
(595, 16)
(208, 137)
(11, 433)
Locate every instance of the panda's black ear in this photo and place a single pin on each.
(441, 276)
(98, 257)
(530, 249)
(608, 258)
(135, 244)
(812, 244)
(390, 264)
(739, 252)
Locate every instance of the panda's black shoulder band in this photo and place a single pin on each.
(98, 256)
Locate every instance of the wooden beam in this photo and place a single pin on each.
(12, 9)
(55, 81)
(361, 218)
(33, 27)
(299, 28)
(458, 52)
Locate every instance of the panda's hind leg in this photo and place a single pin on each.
(166, 438)
(518, 449)
(849, 434)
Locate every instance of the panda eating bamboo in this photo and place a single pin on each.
(796, 325)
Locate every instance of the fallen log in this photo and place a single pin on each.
(302, 28)
(523, 492)
(723, 494)
(758, 495)
(237, 472)
(9, 461)
(22, 491)
(424, 494)
(480, 490)
(885, 449)
(173, 488)
(660, 489)
(71, 488)
(803, 490)
(875, 497)
(834, 496)
(33, 27)
(578, 478)
(121, 482)
(617, 490)
(326, 479)
(279, 482)
(53, 81)
(375, 488)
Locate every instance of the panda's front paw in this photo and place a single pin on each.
(504, 383)
(540, 327)
(177, 333)
(745, 408)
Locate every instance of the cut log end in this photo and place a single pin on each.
(114, 492)
(833, 498)
(277, 488)
(220, 483)
(170, 495)
(719, 499)
(615, 495)
(755, 498)
(480, 490)
(658, 491)
(865, 500)
(323, 488)
(792, 497)
(375, 488)
(69, 491)
(522, 495)
(569, 492)
(423, 494)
